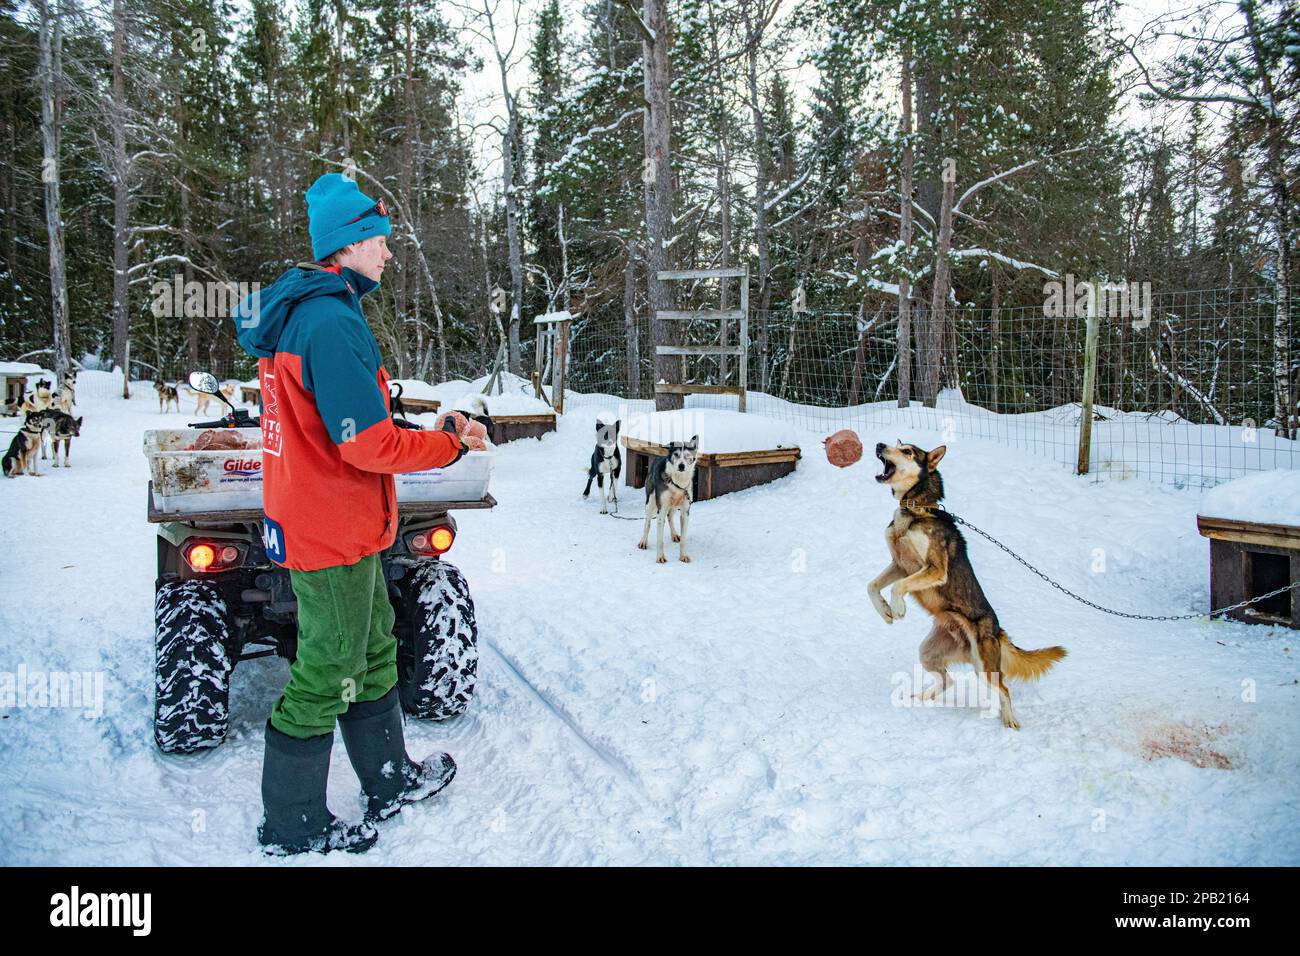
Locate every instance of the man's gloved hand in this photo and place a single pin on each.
(450, 426)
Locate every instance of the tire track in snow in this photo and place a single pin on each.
(621, 771)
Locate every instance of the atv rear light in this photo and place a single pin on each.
(201, 557)
(432, 541)
(211, 556)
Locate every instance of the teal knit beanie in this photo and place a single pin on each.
(339, 213)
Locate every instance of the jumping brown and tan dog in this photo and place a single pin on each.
(929, 562)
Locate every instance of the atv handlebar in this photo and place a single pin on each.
(239, 418)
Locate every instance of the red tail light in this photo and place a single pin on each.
(431, 541)
(210, 556)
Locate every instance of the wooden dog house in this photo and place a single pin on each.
(510, 427)
(1250, 558)
(421, 406)
(715, 473)
(15, 377)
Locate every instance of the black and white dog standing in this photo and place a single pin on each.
(606, 460)
(63, 428)
(668, 488)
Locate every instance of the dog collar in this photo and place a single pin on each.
(913, 506)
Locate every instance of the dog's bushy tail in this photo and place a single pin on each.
(1020, 664)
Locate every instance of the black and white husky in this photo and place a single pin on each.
(21, 456)
(605, 460)
(476, 407)
(668, 488)
(63, 429)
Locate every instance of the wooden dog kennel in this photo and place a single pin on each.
(715, 473)
(1251, 558)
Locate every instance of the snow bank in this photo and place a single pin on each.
(1271, 497)
(415, 388)
(20, 368)
(721, 432)
(517, 396)
(510, 404)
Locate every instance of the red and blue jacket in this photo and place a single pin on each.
(329, 445)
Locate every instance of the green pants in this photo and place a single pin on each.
(346, 649)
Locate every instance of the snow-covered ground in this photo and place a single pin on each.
(739, 709)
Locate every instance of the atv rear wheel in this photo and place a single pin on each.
(437, 641)
(192, 665)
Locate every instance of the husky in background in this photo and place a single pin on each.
(929, 562)
(395, 406)
(66, 396)
(606, 460)
(203, 399)
(39, 400)
(63, 428)
(477, 409)
(167, 395)
(668, 488)
(21, 455)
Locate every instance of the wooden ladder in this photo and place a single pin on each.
(722, 316)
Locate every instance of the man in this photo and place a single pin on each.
(329, 451)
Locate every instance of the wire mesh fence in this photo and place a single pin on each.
(1191, 387)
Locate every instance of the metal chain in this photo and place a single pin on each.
(615, 514)
(1064, 590)
(1106, 610)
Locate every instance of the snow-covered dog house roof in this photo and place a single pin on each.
(1253, 524)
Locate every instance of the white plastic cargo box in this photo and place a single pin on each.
(467, 480)
(186, 480)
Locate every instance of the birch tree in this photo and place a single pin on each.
(1244, 56)
(51, 82)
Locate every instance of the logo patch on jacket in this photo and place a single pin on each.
(273, 540)
(270, 416)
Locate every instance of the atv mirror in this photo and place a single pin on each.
(204, 382)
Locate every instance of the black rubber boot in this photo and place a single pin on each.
(372, 734)
(295, 818)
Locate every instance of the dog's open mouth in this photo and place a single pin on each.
(888, 471)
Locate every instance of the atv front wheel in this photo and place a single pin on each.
(437, 642)
(192, 665)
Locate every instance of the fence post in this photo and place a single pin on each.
(1089, 380)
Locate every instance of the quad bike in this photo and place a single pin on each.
(219, 601)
